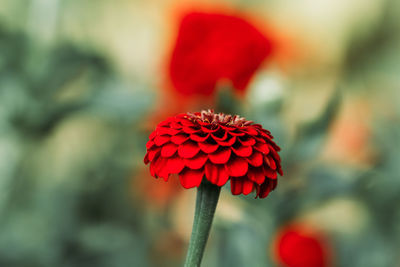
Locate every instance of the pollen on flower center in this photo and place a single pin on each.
(209, 116)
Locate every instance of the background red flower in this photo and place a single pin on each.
(215, 46)
(301, 246)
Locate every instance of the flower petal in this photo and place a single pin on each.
(249, 130)
(270, 162)
(166, 130)
(256, 175)
(190, 130)
(228, 128)
(160, 169)
(280, 169)
(222, 138)
(237, 167)
(216, 174)
(269, 173)
(249, 141)
(168, 150)
(274, 154)
(228, 142)
(149, 144)
(166, 122)
(275, 146)
(208, 148)
(196, 162)
(262, 148)
(191, 178)
(238, 133)
(247, 186)
(266, 135)
(146, 159)
(236, 186)
(185, 122)
(179, 138)
(188, 149)
(255, 159)
(152, 135)
(176, 125)
(266, 188)
(159, 140)
(210, 129)
(153, 169)
(174, 165)
(243, 151)
(198, 137)
(220, 156)
(153, 154)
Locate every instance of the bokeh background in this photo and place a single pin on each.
(83, 83)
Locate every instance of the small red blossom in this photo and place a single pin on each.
(213, 46)
(216, 147)
(301, 246)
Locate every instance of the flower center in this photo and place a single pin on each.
(219, 118)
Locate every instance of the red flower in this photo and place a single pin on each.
(218, 147)
(211, 47)
(301, 246)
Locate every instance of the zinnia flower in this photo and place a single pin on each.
(216, 147)
(301, 246)
(214, 46)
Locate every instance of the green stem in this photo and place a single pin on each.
(206, 203)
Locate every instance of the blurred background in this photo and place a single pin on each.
(83, 84)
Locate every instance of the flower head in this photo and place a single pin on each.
(214, 46)
(216, 147)
(302, 246)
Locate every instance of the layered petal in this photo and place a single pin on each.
(160, 140)
(243, 151)
(179, 138)
(221, 156)
(236, 186)
(256, 175)
(255, 159)
(229, 142)
(247, 186)
(216, 174)
(188, 149)
(191, 178)
(168, 150)
(237, 167)
(208, 147)
(196, 162)
(174, 165)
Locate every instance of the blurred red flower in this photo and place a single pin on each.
(301, 246)
(214, 46)
(216, 146)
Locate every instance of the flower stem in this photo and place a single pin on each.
(206, 203)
